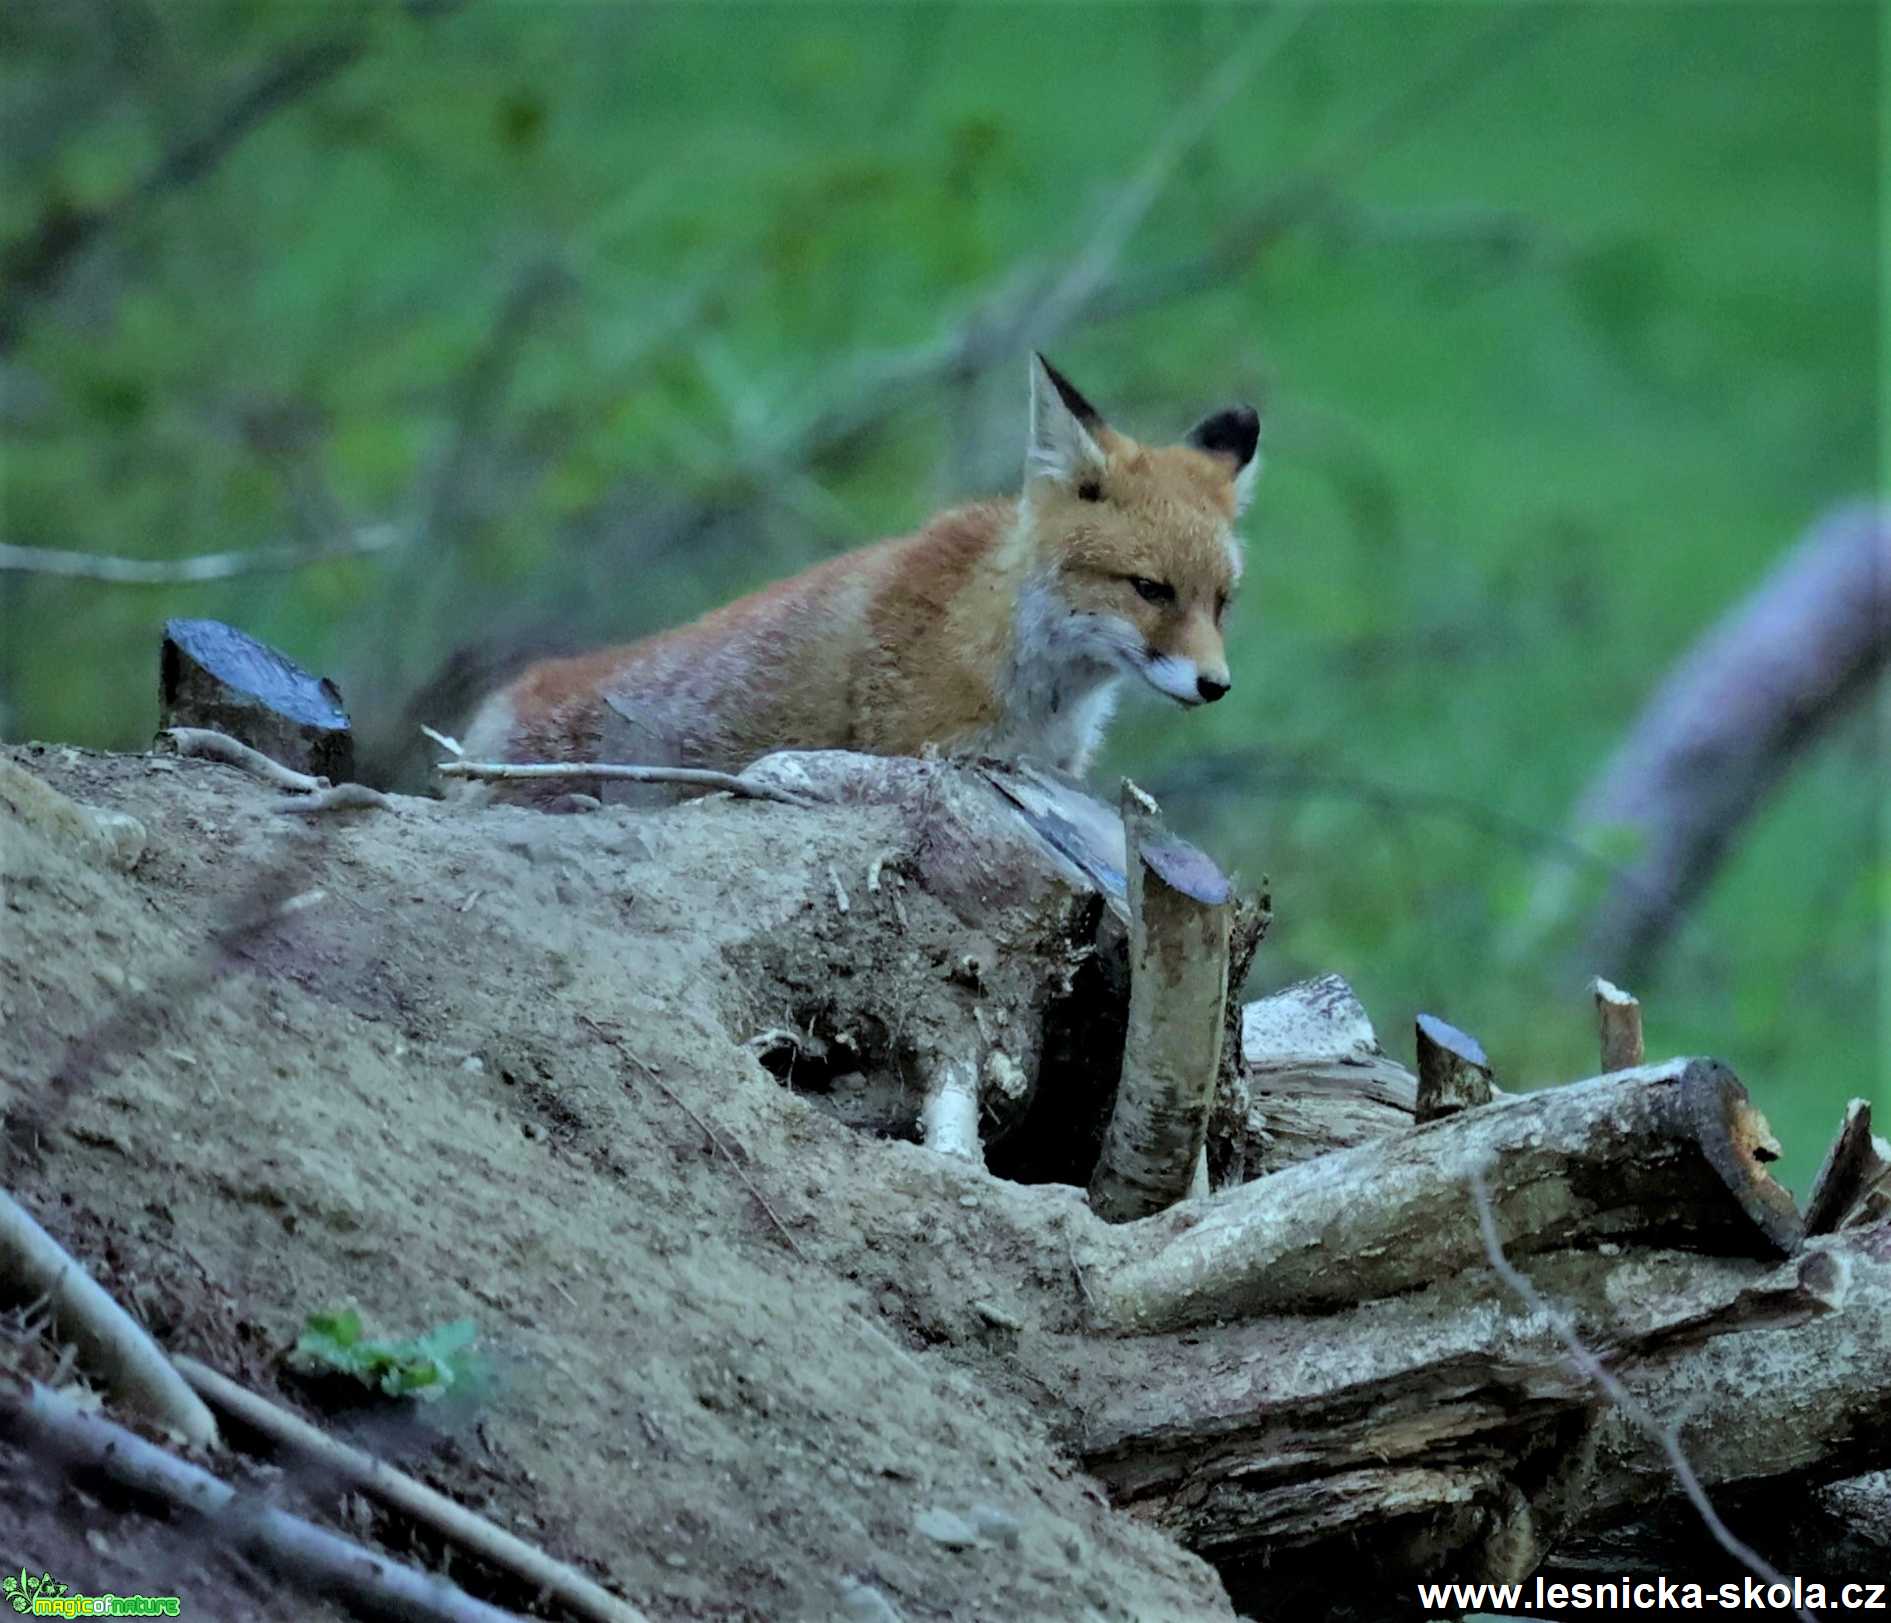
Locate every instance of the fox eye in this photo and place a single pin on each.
(1222, 600)
(1091, 490)
(1152, 591)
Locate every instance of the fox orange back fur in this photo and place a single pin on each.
(1003, 628)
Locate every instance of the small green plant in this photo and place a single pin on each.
(431, 1365)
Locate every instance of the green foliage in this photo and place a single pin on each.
(438, 1363)
(1580, 337)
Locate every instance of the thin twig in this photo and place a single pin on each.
(400, 1492)
(992, 330)
(36, 1263)
(204, 566)
(207, 744)
(708, 1132)
(1097, 261)
(446, 741)
(1083, 1284)
(343, 797)
(1625, 1401)
(695, 777)
(53, 1425)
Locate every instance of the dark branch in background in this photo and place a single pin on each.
(1441, 86)
(481, 391)
(32, 265)
(454, 496)
(1729, 722)
(1033, 311)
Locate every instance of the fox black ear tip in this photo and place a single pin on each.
(1234, 431)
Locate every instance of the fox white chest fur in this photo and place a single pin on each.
(1005, 628)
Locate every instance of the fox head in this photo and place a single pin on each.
(1135, 544)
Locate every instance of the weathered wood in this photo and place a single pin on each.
(1453, 1073)
(34, 1266)
(215, 677)
(1829, 1535)
(1661, 1155)
(1618, 1023)
(1410, 1437)
(1855, 1179)
(1308, 1076)
(64, 1435)
(1178, 990)
(1010, 1024)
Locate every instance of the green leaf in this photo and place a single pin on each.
(429, 1365)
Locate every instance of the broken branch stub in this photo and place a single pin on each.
(1618, 1022)
(1453, 1073)
(1669, 1155)
(214, 677)
(1853, 1176)
(1178, 989)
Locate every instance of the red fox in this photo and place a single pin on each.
(1001, 628)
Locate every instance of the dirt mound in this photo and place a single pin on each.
(444, 1063)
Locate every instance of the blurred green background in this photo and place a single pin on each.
(569, 321)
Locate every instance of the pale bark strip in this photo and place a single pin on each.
(948, 1120)
(1453, 1072)
(1664, 1154)
(53, 1425)
(200, 567)
(434, 1511)
(1178, 989)
(1618, 1023)
(111, 1340)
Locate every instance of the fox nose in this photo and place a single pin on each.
(1210, 689)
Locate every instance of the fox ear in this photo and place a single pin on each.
(1063, 428)
(1234, 434)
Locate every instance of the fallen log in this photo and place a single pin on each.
(1660, 1155)
(1445, 1433)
